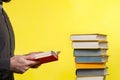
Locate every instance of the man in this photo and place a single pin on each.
(8, 62)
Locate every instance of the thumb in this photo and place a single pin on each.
(29, 57)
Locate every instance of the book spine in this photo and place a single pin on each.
(89, 52)
(91, 78)
(91, 72)
(87, 59)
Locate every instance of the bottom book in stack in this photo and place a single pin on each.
(91, 74)
(91, 78)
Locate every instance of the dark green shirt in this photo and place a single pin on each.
(7, 45)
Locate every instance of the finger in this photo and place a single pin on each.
(29, 57)
(26, 68)
(35, 66)
(33, 63)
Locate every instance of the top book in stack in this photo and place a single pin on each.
(88, 37)
(89, 41)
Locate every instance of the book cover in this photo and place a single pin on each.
(91, 59)
(91, 78)
(46, 57)
(91, 72)
(90, 45)
(87, 37)
(89, 52)
(90, 65)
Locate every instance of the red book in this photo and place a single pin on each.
(46, 57)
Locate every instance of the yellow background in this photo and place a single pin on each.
(43, 25)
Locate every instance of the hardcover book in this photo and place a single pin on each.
(46, 57)
(90, 65)
(91, 59)
(90, 45)
(87, 37)
(92, 78)
(91, 72)
(89, 52)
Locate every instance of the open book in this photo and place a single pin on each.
(46, 57)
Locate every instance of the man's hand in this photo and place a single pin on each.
(20, 64)
(31, 56)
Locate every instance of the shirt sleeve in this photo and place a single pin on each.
(5, 45)
(4, 61)
(4, 64)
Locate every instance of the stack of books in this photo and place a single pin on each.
(90, 52)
